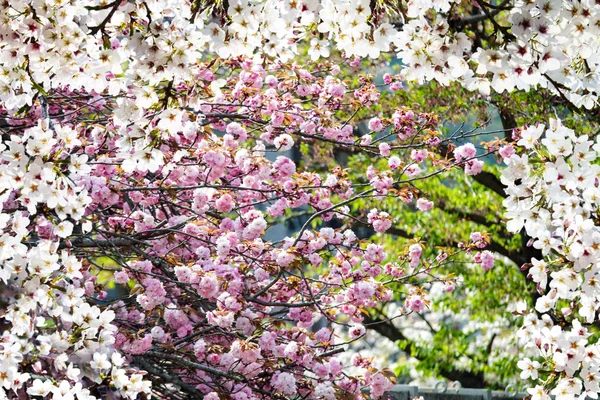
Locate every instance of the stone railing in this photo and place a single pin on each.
(444, 392)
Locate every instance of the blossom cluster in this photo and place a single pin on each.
(54, 329)
(552, 179)
(127, 149)
(171, 188)
(113, 45)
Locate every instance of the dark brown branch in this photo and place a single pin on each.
(387, 329)
(192, 365)
(473, 19)
(508, 122)
(477, 218)
(179, 362)
(168, 92)
(516, 256)
(93, 243)
(148, 366)
(485, 178)
(559, 88)
(492, 182)
(503, 29)
(115, 5)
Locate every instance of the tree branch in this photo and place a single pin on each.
(473, 19)
(147, 366)
(492, 182)
(477, 218)
(387, 329)
(115, 5)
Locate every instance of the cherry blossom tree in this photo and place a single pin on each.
(179, 214)
(153, 142)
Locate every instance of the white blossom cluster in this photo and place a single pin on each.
(553, 189)
(110, 46)
(550, 43)
(51, 320)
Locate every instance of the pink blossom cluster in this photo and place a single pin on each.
(178, 217)
(466, 154)
(415, 303)
(485, 258)
(380, 220)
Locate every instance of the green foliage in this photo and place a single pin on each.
(471, 330)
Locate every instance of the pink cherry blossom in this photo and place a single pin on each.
(424, 204)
